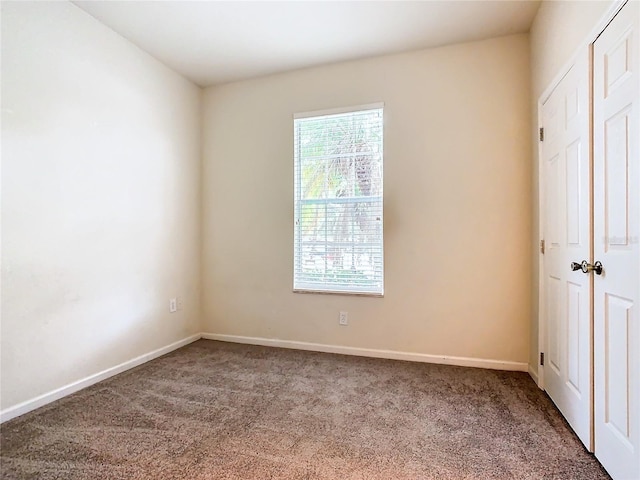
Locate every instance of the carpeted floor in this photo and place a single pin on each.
(215, 410)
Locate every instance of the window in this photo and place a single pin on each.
(338, 201)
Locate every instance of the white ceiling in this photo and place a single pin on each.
(212, 42)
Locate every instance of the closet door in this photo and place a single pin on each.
(616, 135)
(567, 232)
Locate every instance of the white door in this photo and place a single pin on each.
(616, 138)
(566, 228)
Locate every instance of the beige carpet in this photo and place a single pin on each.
(215, 410)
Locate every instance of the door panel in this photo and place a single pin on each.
(565, 155)
(616, 181)
(616, 330)
(574, 303)
(616, 139)
(554, 338)
(573, 193)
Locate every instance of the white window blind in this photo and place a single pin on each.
(338, 239)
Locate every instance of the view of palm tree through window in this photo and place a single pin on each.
(338, 202)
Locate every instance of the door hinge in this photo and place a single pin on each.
(542, 358)
(541, 134)
(542, 246)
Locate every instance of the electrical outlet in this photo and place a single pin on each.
(179, 303)
(344, 319)
(173, 305)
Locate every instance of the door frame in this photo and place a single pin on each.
(588, 42)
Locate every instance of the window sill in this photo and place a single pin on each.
(339, 292)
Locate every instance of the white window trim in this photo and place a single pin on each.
(338, 111)
(343, 291)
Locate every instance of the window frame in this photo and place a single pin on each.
(298, 202)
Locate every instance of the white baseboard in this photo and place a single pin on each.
(40, 401)
(533, 371)
(29, 405)
(368, 352)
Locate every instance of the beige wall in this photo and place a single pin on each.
(100, 200)
(559, 29)
(457, 203)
